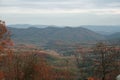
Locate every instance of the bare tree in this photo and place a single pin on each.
(83, 62)
(105, 60)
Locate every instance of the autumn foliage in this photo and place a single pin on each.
(102, 62)
(99, 63)
(24, 65)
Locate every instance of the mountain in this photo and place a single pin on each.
(26, 26)
(104, 29)
(30, 25)
(44, 36)
(101, 29)
(114, 38)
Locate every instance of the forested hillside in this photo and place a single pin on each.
(42, 36)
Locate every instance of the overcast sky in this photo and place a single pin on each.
(61, 12)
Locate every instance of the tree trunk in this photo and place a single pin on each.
(103, 78)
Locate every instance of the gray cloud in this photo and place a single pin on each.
(62, 4)
(56, 6)
(107, 1)
(93, 1)
(65, 19)
(101, 10)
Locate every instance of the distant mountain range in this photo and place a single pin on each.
(114, 38)
(105, 30)
(46, 35)
(26, 26)
(102, 29)
(43, 34)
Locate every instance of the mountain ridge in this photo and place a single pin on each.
(43, 36)
(101, 29)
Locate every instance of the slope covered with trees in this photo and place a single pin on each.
(42, 36)
(28, 62)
